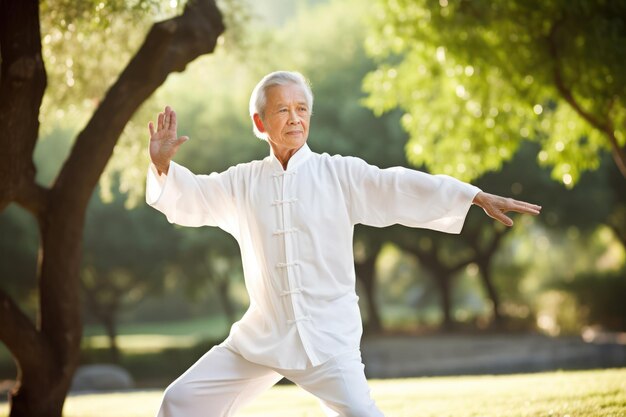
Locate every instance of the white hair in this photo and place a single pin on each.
(258, 99)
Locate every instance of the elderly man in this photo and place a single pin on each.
(293, 215)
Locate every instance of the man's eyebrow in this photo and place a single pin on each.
(304, 103)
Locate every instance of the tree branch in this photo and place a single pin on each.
(33, 197)
(619, 153)
(460, 265)
(22, 84)
(427, 257)
(169, 46)
(19, 334)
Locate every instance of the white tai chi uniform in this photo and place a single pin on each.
(295, 229)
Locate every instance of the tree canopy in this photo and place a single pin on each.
(477, 78)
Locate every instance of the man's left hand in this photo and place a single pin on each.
(495, 207)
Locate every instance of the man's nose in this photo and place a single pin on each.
(293, 117)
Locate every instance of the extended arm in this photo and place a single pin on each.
(381, 197)
(184, 197)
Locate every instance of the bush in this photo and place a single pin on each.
(152, 369)
(602, 298)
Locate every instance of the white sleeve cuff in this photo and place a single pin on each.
(155, 184)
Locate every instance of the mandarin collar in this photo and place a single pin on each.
(296, 159)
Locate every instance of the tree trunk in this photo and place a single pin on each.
(38, 400)
(59, 318)
(443, 282)
(105, 311)
(22, 85)
(227, 304)
(484, 254)
(485, 273)
(111, 330)
(366, 273)
(442, 273)
(47, 353)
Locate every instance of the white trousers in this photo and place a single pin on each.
(222, 381)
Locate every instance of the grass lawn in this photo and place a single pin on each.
(152, 337)
(207, 327)
(599, 393)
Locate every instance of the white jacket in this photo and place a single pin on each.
(295, 230)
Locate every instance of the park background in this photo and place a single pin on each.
(487, 92)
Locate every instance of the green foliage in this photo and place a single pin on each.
(209, 264)
(211, 102)
(85, 45)
(600, 296)
(125, 255)
(536, 263)
(476, 78)
(95, 13)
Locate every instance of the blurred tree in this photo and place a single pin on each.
(367, 246)
(206, 255)
(485, 242)
(600, 297)
(554, 249)
(124, 255)
(616, 219)
(47, 351)
(442, 257)
(596, 289)
(476, 78)
(445, 256)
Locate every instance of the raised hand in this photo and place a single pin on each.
(164, 142)
(495, 207)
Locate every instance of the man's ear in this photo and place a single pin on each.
(258, 122)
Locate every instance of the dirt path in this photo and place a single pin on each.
(407, 356)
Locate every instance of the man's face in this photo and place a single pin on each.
(287, 117)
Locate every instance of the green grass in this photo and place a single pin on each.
(153, 337)
(600, 393)
(206, 327)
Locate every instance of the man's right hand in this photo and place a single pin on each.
(163, 142)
